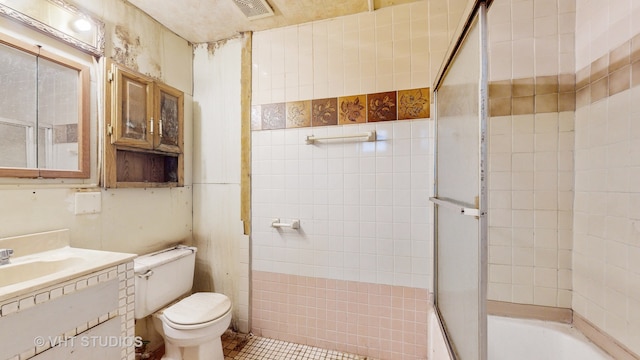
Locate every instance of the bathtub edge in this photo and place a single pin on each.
(603, 340)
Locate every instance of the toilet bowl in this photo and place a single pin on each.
(193, 326)
(190, 327)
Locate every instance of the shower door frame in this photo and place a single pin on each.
(476, 11)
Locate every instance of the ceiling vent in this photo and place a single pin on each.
(254, 9)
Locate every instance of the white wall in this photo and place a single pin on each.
(223, 249)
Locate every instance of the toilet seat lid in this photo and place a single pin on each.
(198, 308)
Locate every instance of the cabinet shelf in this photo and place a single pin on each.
(144, 138)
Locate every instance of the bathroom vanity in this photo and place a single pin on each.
(60, 302)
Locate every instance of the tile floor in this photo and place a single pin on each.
(238, 346)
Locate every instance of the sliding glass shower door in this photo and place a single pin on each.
(460, 193)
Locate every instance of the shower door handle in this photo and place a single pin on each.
(459, 207)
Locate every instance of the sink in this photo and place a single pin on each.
(23, 271)
(45, 259)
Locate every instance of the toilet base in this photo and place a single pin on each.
(211, 350)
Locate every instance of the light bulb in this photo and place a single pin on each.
(82, 25)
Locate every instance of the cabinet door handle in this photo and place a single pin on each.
(160, 127)
(151, 126)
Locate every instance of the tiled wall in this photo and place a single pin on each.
(383, 321)
(607, 148)
(125, 310)
(532, 103)
(344, 110)
(363, 206)
(365, 242)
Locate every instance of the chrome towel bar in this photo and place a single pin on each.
(369, 136)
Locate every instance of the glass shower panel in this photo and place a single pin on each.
(460, 245)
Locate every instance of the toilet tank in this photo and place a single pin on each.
(162, 277)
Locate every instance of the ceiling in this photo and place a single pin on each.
(201, 21)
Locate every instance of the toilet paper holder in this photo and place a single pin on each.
(295, 224)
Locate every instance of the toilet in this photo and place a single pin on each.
(191, 326)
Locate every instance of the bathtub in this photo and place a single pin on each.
(525, 339)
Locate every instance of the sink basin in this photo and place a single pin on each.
(19, 272)
(45, 259)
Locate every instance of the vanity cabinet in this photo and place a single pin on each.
(144, 131)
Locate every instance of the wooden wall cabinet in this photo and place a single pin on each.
(144, 138)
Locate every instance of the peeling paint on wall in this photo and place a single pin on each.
(126, 48)
(215, 45)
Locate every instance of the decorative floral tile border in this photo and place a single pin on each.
(355, 109)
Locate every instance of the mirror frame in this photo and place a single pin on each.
(97, 49)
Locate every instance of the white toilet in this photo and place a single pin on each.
(191, 327)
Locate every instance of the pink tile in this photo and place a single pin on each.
(374, 321)
(409, 338)
(397, 346)
(363, 287)
(385, 300)
(397, 302)
(321, 293)
(422, 294)
(352, 286)
(422, 317)
(385, 354)
(385, 323)
(409, 327)
(321, 303)
(363, 298)
(397, 291)
(385, 290)
(409, 293)
(341, 306)
(332, 336)
(374, 299)
(331, 315)
(321, 335)
(352, 297)
(374, 289)
(409, 315)
(374, 333)
(352, 318)
(331, 294)
(311, 282)
(397, 314)
(409, 350)
(410, 304)
(397, 324)
(331, 284)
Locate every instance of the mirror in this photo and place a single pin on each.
(43, 113)
(59, 19)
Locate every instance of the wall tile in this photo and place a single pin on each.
(352, 109)
(382, 106)
(273, 116)
(298, 114)
(324, 112)
(413, 104)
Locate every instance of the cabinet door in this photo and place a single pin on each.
(133, 102)
(169, 107)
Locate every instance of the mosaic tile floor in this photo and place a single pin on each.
(238, 346)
